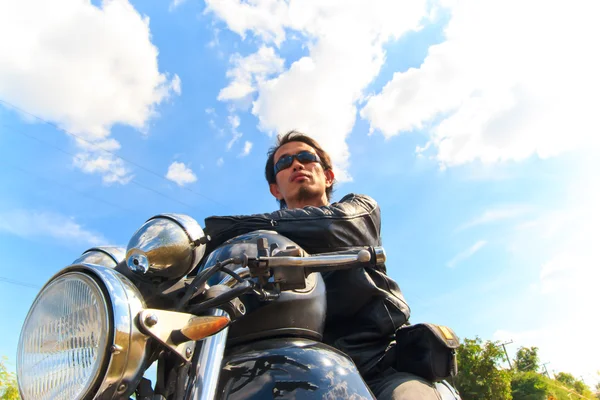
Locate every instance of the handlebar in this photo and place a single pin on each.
(286, 271)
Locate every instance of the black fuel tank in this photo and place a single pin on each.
(289, 368)
(298, 313)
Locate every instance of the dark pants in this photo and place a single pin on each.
(394, 385)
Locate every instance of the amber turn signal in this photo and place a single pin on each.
(199, 328)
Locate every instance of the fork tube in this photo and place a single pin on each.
(209, 364)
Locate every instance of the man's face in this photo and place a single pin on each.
(301, 184)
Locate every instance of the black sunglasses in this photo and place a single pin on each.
(304, 157)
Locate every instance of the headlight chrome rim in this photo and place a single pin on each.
(108, 256)
(165, 248)
(100, 362)
(127, 349)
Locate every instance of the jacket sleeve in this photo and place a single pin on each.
(353, 221)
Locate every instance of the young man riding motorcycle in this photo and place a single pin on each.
(365, 307)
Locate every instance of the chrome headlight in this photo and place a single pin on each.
(166, 247)
(107, 256)
(80, 339)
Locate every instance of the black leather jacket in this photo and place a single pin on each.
(364, 305)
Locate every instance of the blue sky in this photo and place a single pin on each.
(471, 123)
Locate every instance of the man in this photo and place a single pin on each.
(364, 306)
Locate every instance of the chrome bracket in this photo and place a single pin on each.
(160, 324)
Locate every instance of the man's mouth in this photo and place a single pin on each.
(299, 178)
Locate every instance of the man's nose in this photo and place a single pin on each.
(297, 165)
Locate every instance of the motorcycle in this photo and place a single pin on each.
(243, 322)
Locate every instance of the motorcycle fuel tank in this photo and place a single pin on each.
(289, 368)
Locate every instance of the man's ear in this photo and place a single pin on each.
(274, 188)
(329, 177)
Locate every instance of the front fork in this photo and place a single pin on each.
(210, 361)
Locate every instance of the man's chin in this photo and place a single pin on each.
(305, 194)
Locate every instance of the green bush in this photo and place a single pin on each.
(559, 391)
(534, 386)
(529, 386)
(8, 384)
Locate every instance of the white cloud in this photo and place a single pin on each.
(572, 275)
(235, 138)
(511, 80)
(175, 85)
(466, 254)
(212, 114)
(318, 93)
(180, 174)
(175, 3)
(573, 264)
(234, 121)
(99, 157)
(215, 41)
(32, 224)
(220, 162)
(494, 215)
(550, 224)
(266, 19)
(566, 288)
(83, 67)
(112, 169)
(247, 149)
(108, 145)
(250, 72)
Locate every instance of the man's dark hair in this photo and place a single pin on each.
(295, 136)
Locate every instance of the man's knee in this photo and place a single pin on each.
(405, 386)
(413, 390)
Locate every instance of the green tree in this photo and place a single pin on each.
(479, 376)
(8, 383)
(529, 386)
(527, 359)
(575, 385)
(566, 378)
(581, 388)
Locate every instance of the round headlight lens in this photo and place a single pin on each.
(64, 339)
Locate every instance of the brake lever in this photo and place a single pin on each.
(327, 262)
(290, 269)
